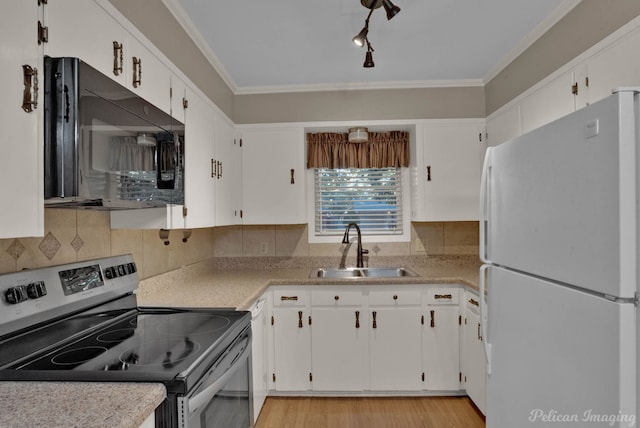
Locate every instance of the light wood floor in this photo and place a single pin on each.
(357, 412)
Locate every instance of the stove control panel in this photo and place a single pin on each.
(33, 296)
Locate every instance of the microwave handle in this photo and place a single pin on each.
(210, 391)
(167, 150)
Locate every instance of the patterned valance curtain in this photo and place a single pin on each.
(333, 150)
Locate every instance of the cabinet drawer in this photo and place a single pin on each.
(443, 296)
(290, 298)
(336, 298)
(395, 297)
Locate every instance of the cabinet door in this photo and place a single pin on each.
(614, 67)
(339, 341)
(291, 340)
(199, 183)
(147, 75)
(21, 164)
(88, 32)
(273, 176)
(228, 173)
(441, 348)
(504, 126)
(548, 103)
(396, 351)
(449, 169)
(474, 359)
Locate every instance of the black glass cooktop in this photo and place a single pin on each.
(137, 345)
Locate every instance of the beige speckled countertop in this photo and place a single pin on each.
(232, 283)
(238, 282)
(85, 405)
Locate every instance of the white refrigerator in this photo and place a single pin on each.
(559, 233)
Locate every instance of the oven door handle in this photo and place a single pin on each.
(206, 395)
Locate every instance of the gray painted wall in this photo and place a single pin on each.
(588, 23)
(386, 104)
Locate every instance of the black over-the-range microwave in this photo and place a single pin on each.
(105, 146)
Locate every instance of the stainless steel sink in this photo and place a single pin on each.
(376, 272)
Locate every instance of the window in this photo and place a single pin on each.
(370, 197)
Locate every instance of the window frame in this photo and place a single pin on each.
(405, 236)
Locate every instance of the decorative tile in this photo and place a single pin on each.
(16, 249)
(49, 246)
(376, 249)
(77, 243)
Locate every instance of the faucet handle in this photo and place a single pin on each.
(365, 251)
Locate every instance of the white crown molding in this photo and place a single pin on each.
(272, 89)
(187, 24)
(559, 12)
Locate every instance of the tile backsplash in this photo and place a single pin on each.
(74, 235)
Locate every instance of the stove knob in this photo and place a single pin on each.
(36, 290)
(15, 295)
(109, 273)
(121, 270)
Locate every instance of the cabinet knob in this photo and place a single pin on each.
(337, 298)
(395, 297)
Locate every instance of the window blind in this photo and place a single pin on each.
(370, 197)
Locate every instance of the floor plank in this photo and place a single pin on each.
(365, 412)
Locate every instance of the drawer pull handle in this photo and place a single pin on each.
(299, 319)
(357, 319)
(117, 58)
(474, 302)
(443, 296)
(433, 319)
(375, 322)
(137, 72)
(479, 335)
(30, 93)
(288, 298)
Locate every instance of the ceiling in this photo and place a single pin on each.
(297, 45)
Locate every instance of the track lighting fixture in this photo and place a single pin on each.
(368, 58)
(362, 37)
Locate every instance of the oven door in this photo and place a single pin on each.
(224, 397)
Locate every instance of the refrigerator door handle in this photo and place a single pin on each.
(484, 204)
(483, 310)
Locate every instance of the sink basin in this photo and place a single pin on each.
(381, 272)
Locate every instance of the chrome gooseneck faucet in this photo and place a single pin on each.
(360, 251)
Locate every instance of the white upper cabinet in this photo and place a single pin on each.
(614, 67)
(549, 102)
(503, 126)
(273, 190)
(200, 164)
(88, 31)
(448, 167)
(21, 163)
(228, 170)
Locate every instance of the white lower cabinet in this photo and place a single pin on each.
(441, 339)
(474, 361)
(291, 340)
(339, 340)
(377, 338)
(395, 351)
